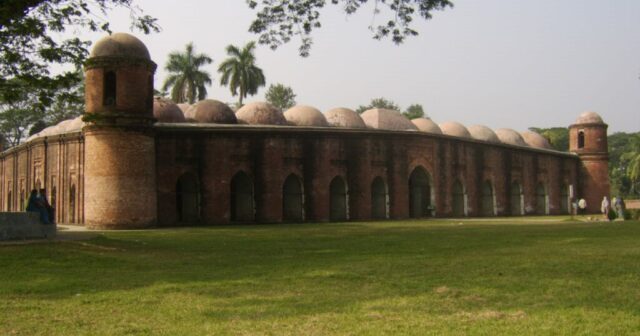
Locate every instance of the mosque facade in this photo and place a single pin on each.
(135, 161)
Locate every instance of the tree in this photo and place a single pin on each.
(185, 79)
(558, 137)
(414, 111)
(30, 43)
(18, 114)
(280, 96)
(277, 21)
(240, 72)
(379, 103)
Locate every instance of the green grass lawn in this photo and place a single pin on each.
(504, 276)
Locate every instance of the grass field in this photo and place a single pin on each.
(503, 276)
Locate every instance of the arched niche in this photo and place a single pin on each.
(516, 199)
(188, 198)
(242, 199)
(488, 199)
(542, 200)
(420, 194)
(379, 199)
(459, 199)
(339, 200)
(292, 199)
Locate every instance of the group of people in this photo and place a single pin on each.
(618, 204)
(38, 203)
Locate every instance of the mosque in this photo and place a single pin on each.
(135, 161)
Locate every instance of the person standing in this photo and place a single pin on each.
(582, 205)
(604, 208)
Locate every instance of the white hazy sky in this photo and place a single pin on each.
(500, 63)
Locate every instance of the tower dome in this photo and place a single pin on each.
(344, 117)
(213, 111)
(426, 125)
(589, 117)
(456, 129)
(120, 45)
(510, 137)
(483, 133)
(302, 115)
(166, 111)
(260, 113)
(387, 120)
(535, 140)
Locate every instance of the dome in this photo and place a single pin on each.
(535, 140)
(483, 133)
(387, 119)
(510, 137)
(184, 107)
(166, 111)
(75, 125)
(589, 117)
(344, 117)
(455, 129)
(260, 113)
(122, 45)
(426, 125)
(302, 115)
(213, 111)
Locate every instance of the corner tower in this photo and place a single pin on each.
(588, 139)
(120, 158)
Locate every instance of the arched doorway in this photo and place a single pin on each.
(242, 204)
(459, 198)
(542, 200)
(516, 199)
(292, 199)
(379, 198)
(564, 199)
(72, 204)
(9, 199)
(488, 200)
(339, 200)
(188, 198)
(419, 193)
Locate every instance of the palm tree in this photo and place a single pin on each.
(186, 79)
(239, 71)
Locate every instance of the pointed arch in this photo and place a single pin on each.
(580, 139)
(188, 198)
(338, 200)
(72, 204)
(488, 200)
(109, 92)
(565, 202)
(516, 199)
(379, 199)
(292, 199)
(9, 200)
(242, 199)
(542, 199)
(459, 199)
(420, 193)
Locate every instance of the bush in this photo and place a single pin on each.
(632, 214)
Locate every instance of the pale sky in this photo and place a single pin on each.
(499, 63)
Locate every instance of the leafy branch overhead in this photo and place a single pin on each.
(278, 21)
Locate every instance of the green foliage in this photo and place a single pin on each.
(281, 96)
(240, 71)
(624, 163)
(277, 21)
(186, 80)
(414, 111)
(30, 37)
(558, 137)
(381, 102)
(498, 277)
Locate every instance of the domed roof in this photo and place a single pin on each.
(213, 111)
(535, 140)
(483, 133)
(260, 113)
(122, 45)
(426, 125)
(184, 107)
(510, 137)
(387, 120)
(302, 115)
(589, 117)
(166, 111)
(75, 125)
(455, 129)
(344, 117)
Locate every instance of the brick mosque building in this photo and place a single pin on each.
(135, 161)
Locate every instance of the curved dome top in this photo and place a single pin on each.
(166, 111)
(535, 140)
(456, 129)
(510, 137)
(302, 115)
(426, 125)
(122, 45)
(213, 112)
(260, 113)
(483, 133)
(589, 117)
(344, 117)
(387, 120)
